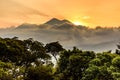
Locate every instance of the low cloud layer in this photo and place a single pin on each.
(69, 35)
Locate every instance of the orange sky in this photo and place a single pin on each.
(87, 12)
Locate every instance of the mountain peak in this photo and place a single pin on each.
(53, 21)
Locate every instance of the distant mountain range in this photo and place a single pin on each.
(68, 34)
(53, 23)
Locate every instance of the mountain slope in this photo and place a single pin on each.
(27, 26)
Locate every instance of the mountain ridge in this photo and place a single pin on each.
(52, 23)
(55, 21)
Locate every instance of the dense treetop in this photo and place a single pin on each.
(31, 60)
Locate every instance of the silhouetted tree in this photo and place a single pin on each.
(54, 48)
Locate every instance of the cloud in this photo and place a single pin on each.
(99, 39)
(13, 13)
(32, 10)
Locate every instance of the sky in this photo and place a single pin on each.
(91, 13)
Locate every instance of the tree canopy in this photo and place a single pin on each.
(31, 60)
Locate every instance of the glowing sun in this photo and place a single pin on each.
(77, 23)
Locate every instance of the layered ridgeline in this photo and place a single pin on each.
(68, 34)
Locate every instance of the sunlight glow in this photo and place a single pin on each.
(77, 23)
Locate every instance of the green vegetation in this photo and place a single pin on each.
(31, 60)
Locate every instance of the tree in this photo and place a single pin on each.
(106, 58)
(11, 50)
(54, 48)
(5, 71)
(35, 51)
(91, 73)
(39, 73)
(99, 68)
(97, 73)
(96, 62)
(22, 53)
(116, 62)
(73, 63)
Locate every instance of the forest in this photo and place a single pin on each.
(32, 60)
